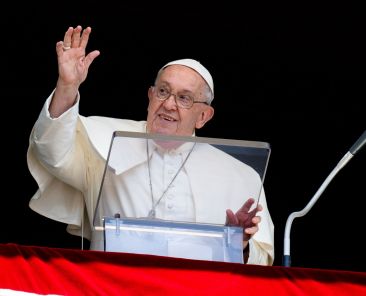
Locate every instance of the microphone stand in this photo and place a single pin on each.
(286, 260)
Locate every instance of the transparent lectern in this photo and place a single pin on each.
(168, 195)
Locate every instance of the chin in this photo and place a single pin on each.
(164, 130)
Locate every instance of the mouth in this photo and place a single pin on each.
(164, 124)
(166, 117)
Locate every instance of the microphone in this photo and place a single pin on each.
(286, 260)
(359, 143)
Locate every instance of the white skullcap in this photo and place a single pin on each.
(198, 67)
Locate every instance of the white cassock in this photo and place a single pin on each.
(67, 155)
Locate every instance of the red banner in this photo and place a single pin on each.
(74, 272)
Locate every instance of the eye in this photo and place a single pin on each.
(185, 100)
(163, 92)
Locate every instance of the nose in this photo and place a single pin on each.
(170, 103)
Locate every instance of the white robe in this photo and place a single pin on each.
(66, 156)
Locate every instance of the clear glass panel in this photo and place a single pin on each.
(174, 239)
(171, 182)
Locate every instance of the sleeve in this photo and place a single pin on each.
(50, 154)
(261, 245)
(52, 138)
(260, 253)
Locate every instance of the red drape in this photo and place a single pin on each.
(74, 272)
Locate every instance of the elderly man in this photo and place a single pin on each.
(67, 153)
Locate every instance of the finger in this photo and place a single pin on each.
(67, 37)
(231, 218)
(251, 230)
(254, 211)
(90, 57)
(256, 220)
(59, 48)
(75, 40)
(247, 205)
(85, 37)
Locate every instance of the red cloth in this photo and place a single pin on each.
(75, 272)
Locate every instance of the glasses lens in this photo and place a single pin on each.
(162, 93)
(182, 100)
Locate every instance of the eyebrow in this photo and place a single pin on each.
(180, 91)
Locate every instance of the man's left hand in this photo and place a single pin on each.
(246, 219)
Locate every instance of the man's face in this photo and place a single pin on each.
(165, 117)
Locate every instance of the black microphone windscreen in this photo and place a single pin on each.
(359, 143)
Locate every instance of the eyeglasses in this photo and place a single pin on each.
(182, 100)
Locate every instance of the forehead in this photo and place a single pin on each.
(181, 77)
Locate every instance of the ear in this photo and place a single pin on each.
(205, 116)
(150, 94)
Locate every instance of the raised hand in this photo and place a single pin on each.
(73, 63)
(73, 66)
